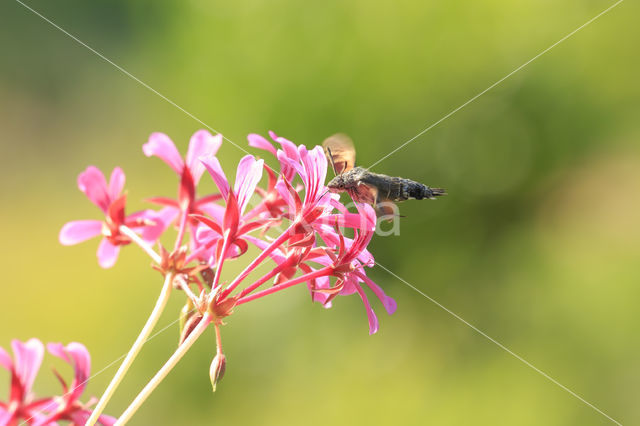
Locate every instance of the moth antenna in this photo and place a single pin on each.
(333, 165)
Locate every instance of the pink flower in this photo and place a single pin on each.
(21, 404)
(349, 269)
(345, 262)
(289, 151)
(227, 233)
(46, 411)
(68, 406)
(107, 197)
(190, 170)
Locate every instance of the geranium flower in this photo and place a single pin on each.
(21, 404)
(289, 150)
(190, 170)
(109, 199)
(227, 233)
(68, 406)
(349, 269)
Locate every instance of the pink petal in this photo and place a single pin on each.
(314, 163)
(290, 149)
(77, 355)
(167, 215)
(247, 177)
(276, 255)
(350, 286)
(78, 231)
(116, 183)
(324, 283)
(289, 164)
(369, 216)
(204, 234)
(93, 183)
(389, 304)
(373, 319)
(39, 419)
(161, 146)
(287, 196)
(154, 222)
(258, 141)
(105, 420)
(344, 220)
(107, 253)
(216, 211)
(5, 416)
(80, 417)
(212, 165)
(28, 358)
(202, 144)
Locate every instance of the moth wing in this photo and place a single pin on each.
(364, 193)
(340, 152)
(386, 209)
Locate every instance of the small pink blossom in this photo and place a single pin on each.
(190, 170)
(109, 199)
(68, 406)
(227, 233)
(289, 151)
(21, 404)
(349, 269)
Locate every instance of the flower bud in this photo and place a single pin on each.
(185, 313)
(189, 326)
(217, 369)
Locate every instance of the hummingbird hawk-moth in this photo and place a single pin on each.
(363, 186)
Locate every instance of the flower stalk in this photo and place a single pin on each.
(161, 303)
(166, 368)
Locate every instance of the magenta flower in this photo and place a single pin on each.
(190, 170)
(109, 199)
(46, 411)
(68, 406)
(289, 151)
(21, 404)
(227, 233)
(349, 269)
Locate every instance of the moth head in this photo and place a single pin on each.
(337, 184)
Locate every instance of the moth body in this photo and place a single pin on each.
(359, 182)
(368, 187)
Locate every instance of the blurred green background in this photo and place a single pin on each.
(537, 244)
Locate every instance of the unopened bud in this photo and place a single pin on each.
(186, 313)
(216, 371)
(189, 326)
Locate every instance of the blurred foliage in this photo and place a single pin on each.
(536, 245)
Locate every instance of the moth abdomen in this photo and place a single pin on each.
(419, 191)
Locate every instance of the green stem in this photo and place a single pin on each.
(135, 349)
(166, 368)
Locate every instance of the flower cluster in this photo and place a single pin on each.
(23, 407)
(291, 220)
(311, 224)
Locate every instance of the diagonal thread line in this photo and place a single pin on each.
(496, 83)
(128, 74)
(501, 346)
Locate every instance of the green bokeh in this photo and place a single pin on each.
(537, 244)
